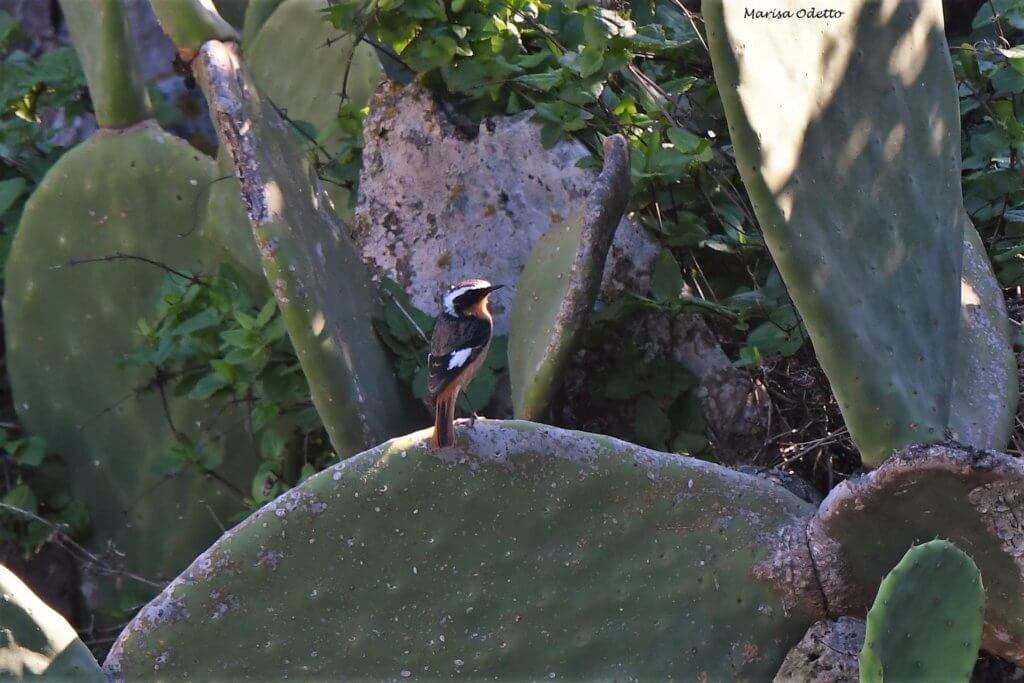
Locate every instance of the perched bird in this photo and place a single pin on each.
(462, 336)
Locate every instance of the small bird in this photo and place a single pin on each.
(462, 336)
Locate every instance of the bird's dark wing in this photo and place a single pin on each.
(456, 343)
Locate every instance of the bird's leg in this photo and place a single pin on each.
(473, 417)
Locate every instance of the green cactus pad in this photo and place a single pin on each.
(526, 552)
(305, 66)
(132, 192)
(323, 290)
(296, 69)
(36, 641)
(974, 499)
(925, 624)
(984, 402)
(256, 14)
(190, 23)
(99, 31)
(847, 136)
(225, 217)
(560, 284)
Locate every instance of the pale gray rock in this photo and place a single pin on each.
(827, 654)
(440, 202)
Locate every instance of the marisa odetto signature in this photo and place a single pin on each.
(803, 13)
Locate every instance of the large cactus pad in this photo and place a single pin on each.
(132, 193)
(526, 552)
(846, 131)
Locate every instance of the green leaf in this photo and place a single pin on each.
(22, 498)
(651, 424)
(749, 357)
(266, 313)
(686, 229)
(781, 335)
(688, 443)
(203, 320)
(667, 280)
(588, 62)
(29, 452)
(625, 383)
(8, 27)
(211, 458)
(307, 471)
(226, 371)
(684, 140)
(244, 320)
(543, 81)
(497, 357)
(60, 67)
(264, 484)
(271, 445)
(243, 339)
(206, 387)
(10, 190)
(431, 50)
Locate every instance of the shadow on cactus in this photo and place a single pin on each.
(213, 339)
(69, 327)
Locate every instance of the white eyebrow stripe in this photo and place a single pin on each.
(458, 358)
(450, 297)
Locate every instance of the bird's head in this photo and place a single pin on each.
(468, 297)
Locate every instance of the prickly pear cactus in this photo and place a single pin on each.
(256, 14)
(68, 383)
(526, 552)
(124, 193)
(323, 290)
(559, 285)
(925, 624)
(300, 71)
(190, 23)
(118, 93)
(974, 498)
(984, 401)
(36, 641)
(226, 220)
(302, 64)
(846, 131)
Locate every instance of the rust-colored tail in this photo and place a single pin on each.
(444, 420)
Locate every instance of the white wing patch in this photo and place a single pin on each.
(458, 358)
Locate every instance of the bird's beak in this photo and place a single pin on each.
(493, 288)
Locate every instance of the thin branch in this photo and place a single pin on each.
(118, 256)
(61, 536)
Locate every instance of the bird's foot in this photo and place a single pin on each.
(473, 418)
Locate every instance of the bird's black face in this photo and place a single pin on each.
(467, 294)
